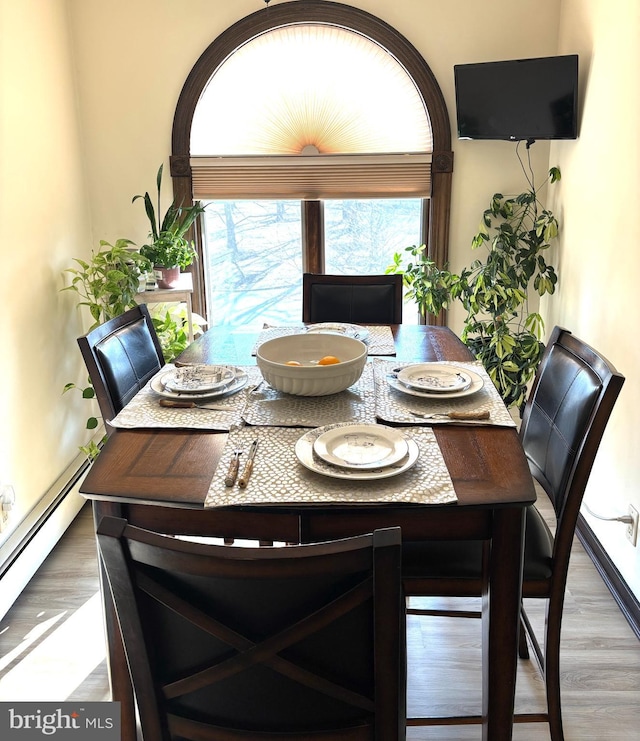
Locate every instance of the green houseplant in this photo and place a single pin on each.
(499, 328)
(107, 285)
(109, 282)
(169, 250)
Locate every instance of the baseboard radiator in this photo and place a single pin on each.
(27, 547)
(626, 599)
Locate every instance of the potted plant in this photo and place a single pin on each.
(499, 328)
(169, 250)
(109, 282)
(107, 286)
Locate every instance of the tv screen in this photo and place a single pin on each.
(518, 99)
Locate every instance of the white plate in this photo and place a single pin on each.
(476, 384)
(361, 446)
(198, 379)
(436, 378)
(350, 330)
(306, 456)
(238, 382)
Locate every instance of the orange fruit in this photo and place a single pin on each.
(292, 362)
(328, 360)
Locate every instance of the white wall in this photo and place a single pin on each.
(44, 214)
(598, 254)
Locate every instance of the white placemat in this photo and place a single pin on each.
(357, 404)
(379, 342)
(279, 478)
(395, 406)
(144, 410)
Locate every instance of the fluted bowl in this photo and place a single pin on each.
(310, 378)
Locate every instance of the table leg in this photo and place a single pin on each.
(121, 689)
(500, 622)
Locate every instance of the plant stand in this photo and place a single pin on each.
(180, 294)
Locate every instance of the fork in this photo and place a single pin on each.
(232, 471)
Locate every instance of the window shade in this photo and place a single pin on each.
(314, 177)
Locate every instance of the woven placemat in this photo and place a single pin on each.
(144, 410)
(395, 406)
(357, 404)
(279, 478)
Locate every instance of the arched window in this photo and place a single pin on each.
(305, 103)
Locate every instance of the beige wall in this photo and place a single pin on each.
(598, 255)
(44, 214)
(123, 63)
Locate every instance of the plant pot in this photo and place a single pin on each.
(167, 277)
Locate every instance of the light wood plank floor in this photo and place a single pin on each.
(52, 648)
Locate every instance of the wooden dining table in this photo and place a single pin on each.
(159, 479)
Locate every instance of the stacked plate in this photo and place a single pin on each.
(436, 381)
(354, 452)
(199, 382)
(349, 330)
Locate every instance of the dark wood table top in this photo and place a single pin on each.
(175, 467)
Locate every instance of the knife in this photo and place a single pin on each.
(248, 466)
(453, 415)
(192, 405)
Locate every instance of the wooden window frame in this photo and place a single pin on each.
(436, 208)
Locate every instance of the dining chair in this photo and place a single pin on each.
(222, 642)
(571, 399)
(359, 299)
(121, 355)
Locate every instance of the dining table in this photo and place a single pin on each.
(167, 475)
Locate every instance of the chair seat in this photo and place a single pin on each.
(462, 559)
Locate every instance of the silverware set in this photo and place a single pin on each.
(234, 467)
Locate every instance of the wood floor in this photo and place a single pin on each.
(52, 648)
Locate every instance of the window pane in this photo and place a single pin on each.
(361, 236)
(253, 257)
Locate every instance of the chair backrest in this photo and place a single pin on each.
(256, 643)
(360, 299)
(565, 416)
(121, 355)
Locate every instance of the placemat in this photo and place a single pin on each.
(379, 342)
(357, 404)
(279, 478)
(144, 410)
(395, 406)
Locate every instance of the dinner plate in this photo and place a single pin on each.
(436, 378)
(361, 446)
(194, 379)
(350, 330)
(239, 381)
(305, 454)
(476, 384)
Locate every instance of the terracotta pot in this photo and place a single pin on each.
(167, 277)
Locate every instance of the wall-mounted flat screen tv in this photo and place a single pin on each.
(520, 99)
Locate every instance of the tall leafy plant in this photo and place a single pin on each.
(499, 328)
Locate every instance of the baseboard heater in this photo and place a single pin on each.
(27, 547)
(626, 599)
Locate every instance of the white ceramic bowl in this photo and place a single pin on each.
(311, 379)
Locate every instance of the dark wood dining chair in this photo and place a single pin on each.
(565, 416)
(303, 642)
(121, 356)
(358, 299)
